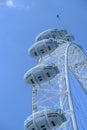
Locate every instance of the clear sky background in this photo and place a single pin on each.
(20, 22)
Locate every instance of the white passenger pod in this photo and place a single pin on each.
(52, 33)
(43, 47)
(45, 120)
(40, 74)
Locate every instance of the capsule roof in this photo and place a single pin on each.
(51, 33)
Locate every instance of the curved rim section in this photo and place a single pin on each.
(77, 62)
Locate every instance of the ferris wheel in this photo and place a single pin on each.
(52, 106)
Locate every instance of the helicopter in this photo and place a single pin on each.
(58, 16)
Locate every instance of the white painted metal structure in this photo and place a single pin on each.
(55, 93)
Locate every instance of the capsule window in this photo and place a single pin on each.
(43, 127)
(49, 48)
(35, 54)
(68, 39)
(53, 36)
(48, 75)
(32, 81)
(40, 78)
(53, 123)
(42, 51)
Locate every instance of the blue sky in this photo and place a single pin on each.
(20, 23)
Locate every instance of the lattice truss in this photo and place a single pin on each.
(55, 92)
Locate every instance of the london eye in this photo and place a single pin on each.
(52, 104)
